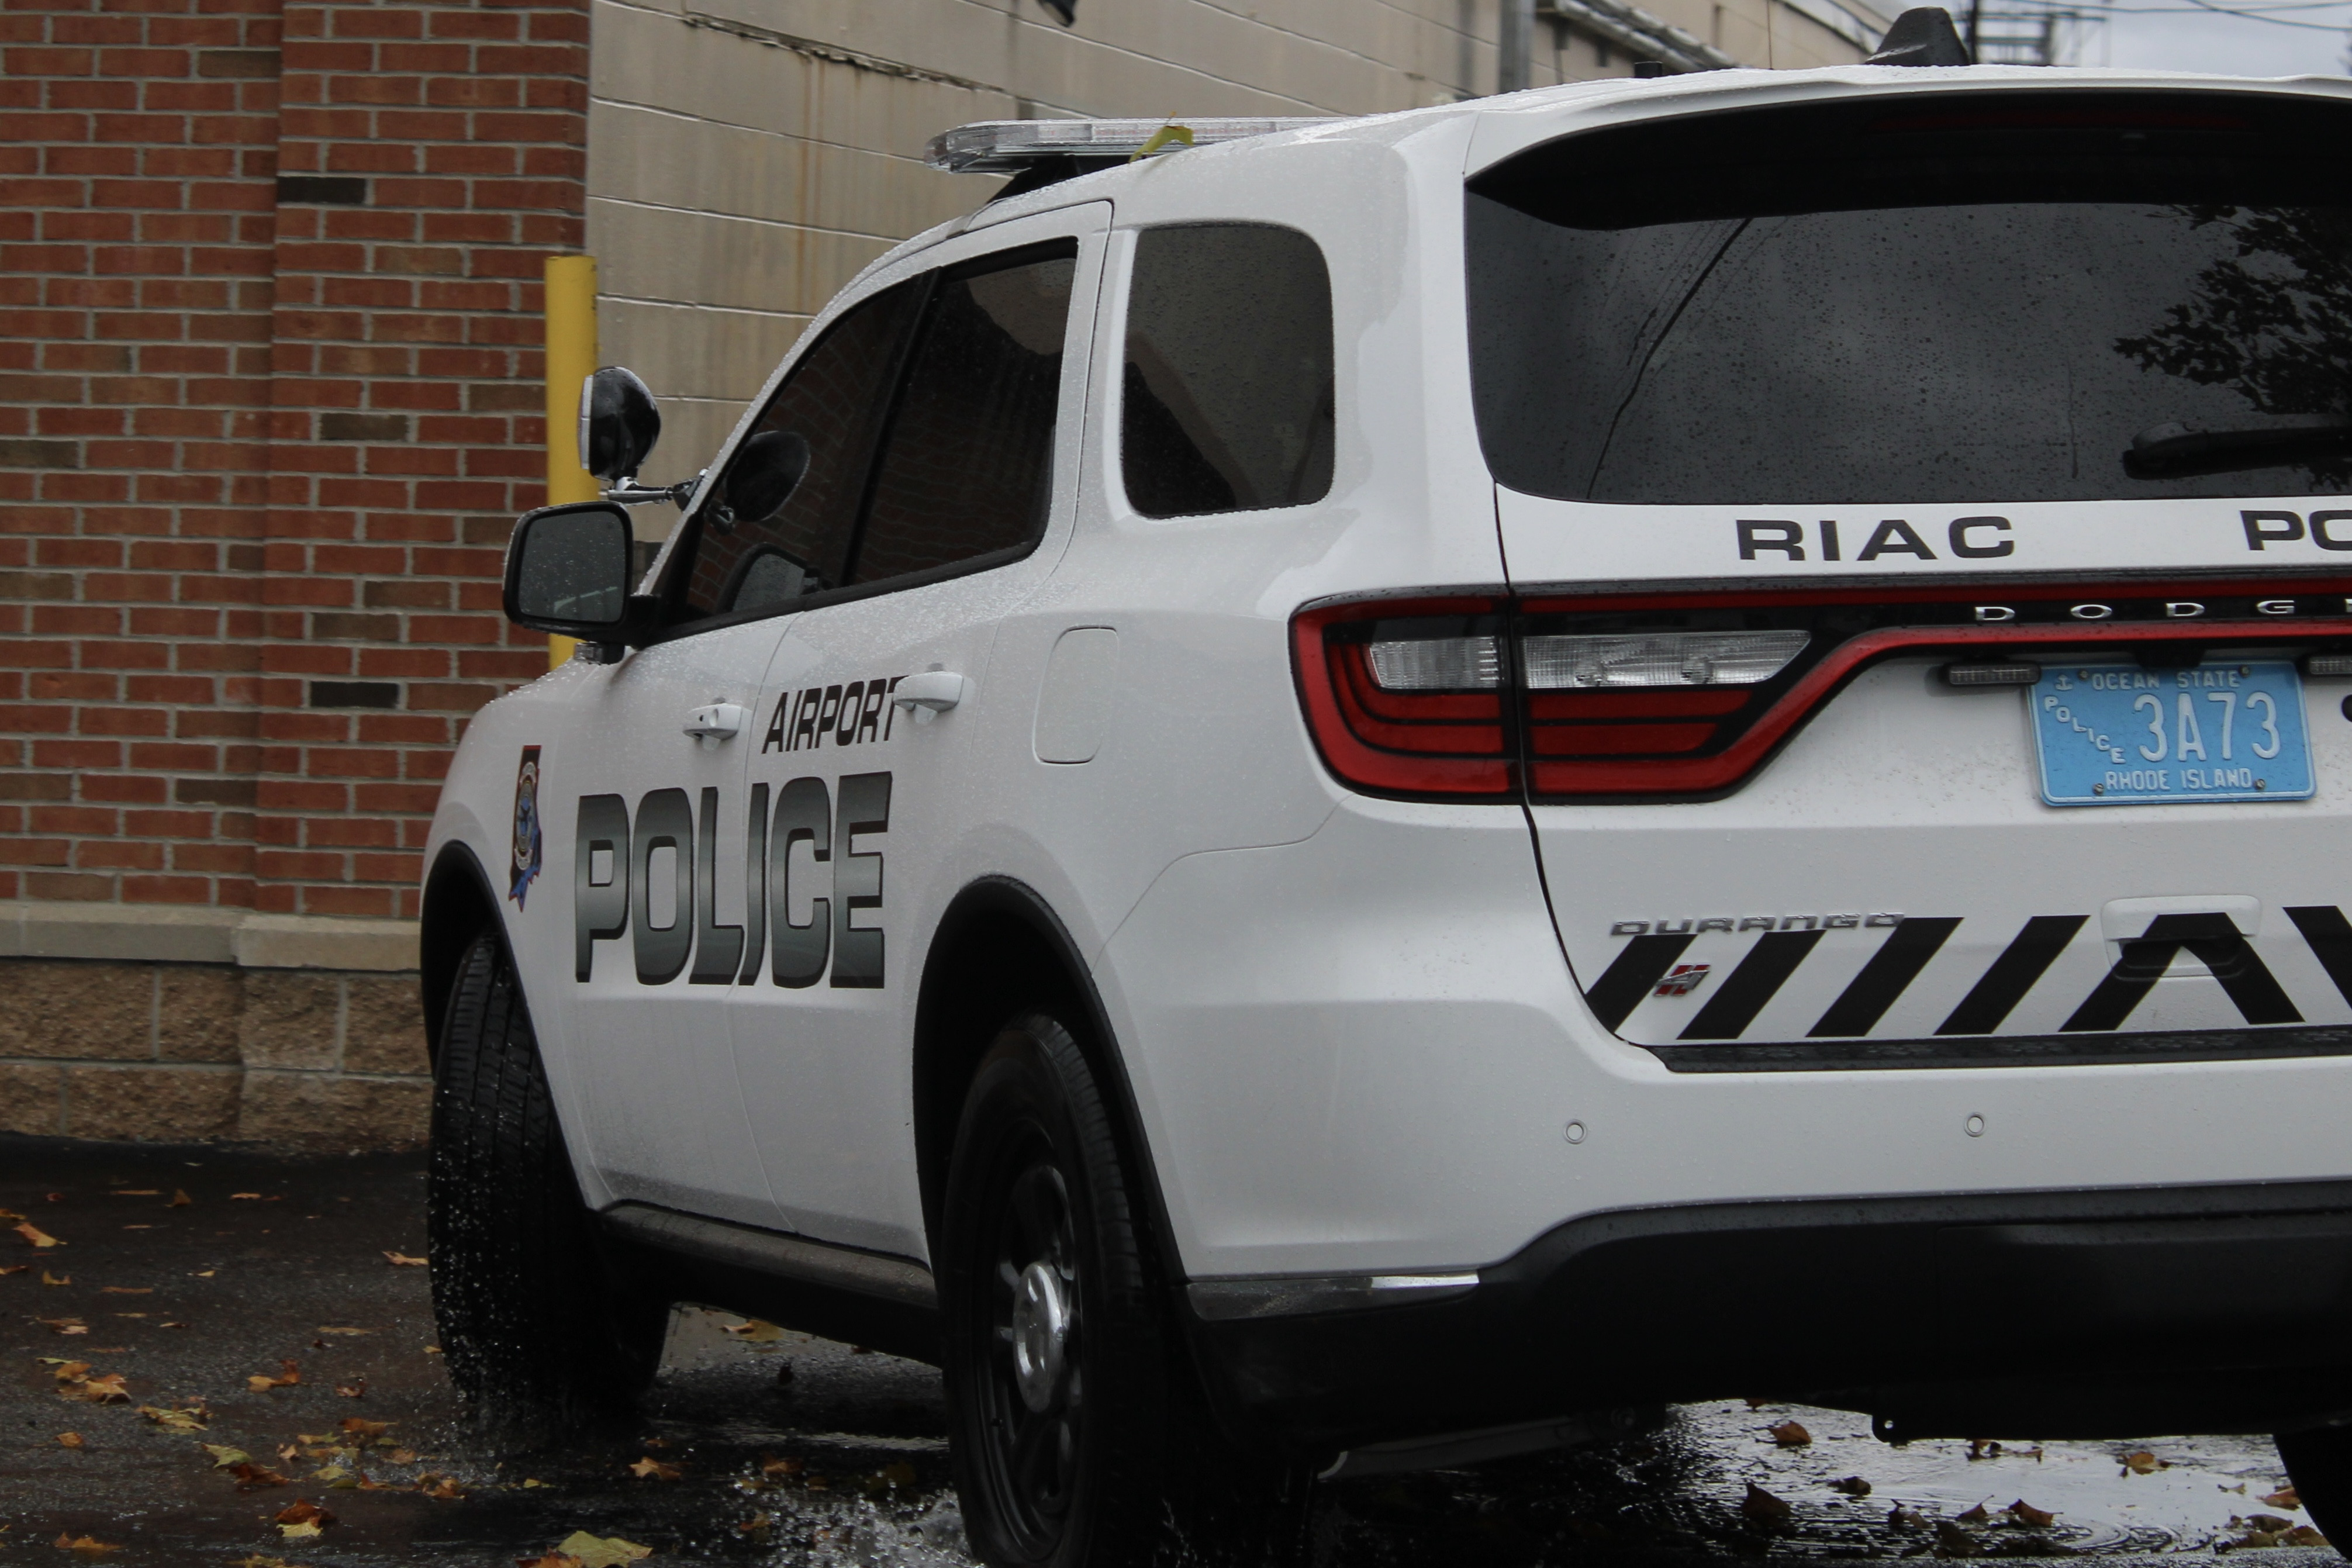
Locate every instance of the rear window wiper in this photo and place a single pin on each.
(2174, 450)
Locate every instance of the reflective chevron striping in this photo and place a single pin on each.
(2012, 974)
(1746, 989)
(1625, 982)
(2213, 939)
(2216, 942)
(1889, 972)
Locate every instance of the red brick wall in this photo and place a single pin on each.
(255, 434)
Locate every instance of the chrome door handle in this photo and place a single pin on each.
(931, 693)
(716, 722)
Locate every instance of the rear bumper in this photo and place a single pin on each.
(2107, 1312)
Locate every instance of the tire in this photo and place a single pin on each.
(1090, 1447)
(2319, 1463)
(535, 1331)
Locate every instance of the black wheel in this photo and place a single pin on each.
(2319, 1463)
(1080, 1438)
(534, 1328)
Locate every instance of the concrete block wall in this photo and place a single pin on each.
(295, 1058)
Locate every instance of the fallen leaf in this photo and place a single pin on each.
(1983, 1448)
(180, 1199)
(2302, 1535)
(447, 1489)
(1905, 1519)
(402, 1260)
(13, 1268)
(49, 1279)
(2140, 1462)
(2269, 1523)
(1951, 1540)
(1789, 1433)
(355, 1389)
(594, 1553)
(302, 1519)
(206, 1273)
(245, 1195)
(326, 1329)
(173, 1420)
(40, 1238)
(755, 1525)
(772, 1465)
(224, 1456)
(67, 1371)
(753, 1330)
(1976, 1516)
(553, 1559)
(251, 1477)
(2283, 1497)
(105, 1389)
(136, 1193)
(2025, 1513)
(64, 1325)
(70, 1441)
(290, 1375)
(408, 1456)
(1853, 1486)
(1760, 1507)
(171, 1325)
(126, 1289)
(359, 1425)
(85, 1545)
(651, 1469)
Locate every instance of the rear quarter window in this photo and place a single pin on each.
(1226, 391)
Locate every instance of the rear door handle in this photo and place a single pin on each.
(716, 722)
(932, 692)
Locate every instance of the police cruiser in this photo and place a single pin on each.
(1366, 794)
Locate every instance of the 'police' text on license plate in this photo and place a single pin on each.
(2115, 734)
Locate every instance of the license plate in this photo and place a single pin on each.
(2115, 734)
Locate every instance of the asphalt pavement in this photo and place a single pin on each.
(224, 1359)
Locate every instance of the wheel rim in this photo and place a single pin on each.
(1033, 1383)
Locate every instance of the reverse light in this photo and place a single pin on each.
(1436, 664)
(1674, 660)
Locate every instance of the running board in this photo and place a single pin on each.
(899, 1280)
(836, 1293)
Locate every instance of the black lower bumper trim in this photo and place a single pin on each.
(2080, 1314)
(2079, 1049)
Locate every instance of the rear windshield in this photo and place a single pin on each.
(1997, 299)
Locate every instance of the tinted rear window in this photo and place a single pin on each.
(1982, 300)
(1226, 399)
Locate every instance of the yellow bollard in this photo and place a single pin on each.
(571, 360)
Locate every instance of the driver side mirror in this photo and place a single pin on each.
(618, 424)
(569, 571)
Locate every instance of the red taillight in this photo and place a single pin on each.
(1409, 697)
(1684, 696)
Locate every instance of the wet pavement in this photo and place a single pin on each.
(254, 1353)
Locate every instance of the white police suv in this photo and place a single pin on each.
(1376, 791)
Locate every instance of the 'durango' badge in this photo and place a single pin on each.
(529, 849)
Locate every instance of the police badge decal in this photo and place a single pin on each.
(528, 847)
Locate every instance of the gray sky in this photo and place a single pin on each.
(2239, 46)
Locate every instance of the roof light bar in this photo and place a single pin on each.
(1008, 146)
